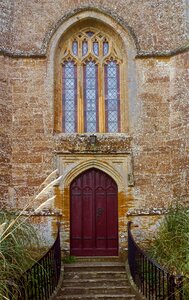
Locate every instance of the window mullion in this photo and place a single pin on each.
(101, 99)
(80, 100)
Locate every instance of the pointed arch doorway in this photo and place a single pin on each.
(94, 214)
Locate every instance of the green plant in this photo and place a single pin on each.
(171, 243)
(69, 259)
(16, 250)
(17, 237)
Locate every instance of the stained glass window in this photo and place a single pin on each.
(105, 48)
(91, 83)
(112, 97)
(75, 47)
(96, 48)
(84, 48)
(69, 97)
(90, 33)
(90, 97)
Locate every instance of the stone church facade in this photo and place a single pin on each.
(98, 90)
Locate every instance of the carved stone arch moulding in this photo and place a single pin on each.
(116, 166)
(122, 51)
(67, 21)
(94, 163)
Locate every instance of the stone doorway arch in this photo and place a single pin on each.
(115, 166)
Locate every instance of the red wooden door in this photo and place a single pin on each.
(94, 214)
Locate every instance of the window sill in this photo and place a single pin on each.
(104, 143)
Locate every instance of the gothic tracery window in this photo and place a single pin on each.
(91, 75)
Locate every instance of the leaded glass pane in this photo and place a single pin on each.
(113, 127)
(105, 48)
(84, 48)
(90, 33)
(91, 93)
(75, 47)
(69, 97)
(96, 48)
(112, 96)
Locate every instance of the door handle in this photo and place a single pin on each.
(99, 212)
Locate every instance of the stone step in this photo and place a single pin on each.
(98, 259)
(95, 282)
(94, 266)
(90, 280)
(118, 290)
(96, 297)
(98, 274)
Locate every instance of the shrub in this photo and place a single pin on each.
(171, 243)
(17, 237)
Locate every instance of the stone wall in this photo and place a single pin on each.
(5, 131)
(160, 140)
(32, 122)
(158, 100)
(179, 125)
(157, 25)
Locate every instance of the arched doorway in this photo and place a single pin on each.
(94, 214)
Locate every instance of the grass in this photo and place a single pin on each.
(69, 259)
(19, 242)
(171, 244)
(16, 251)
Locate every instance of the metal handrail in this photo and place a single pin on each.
(153, 281)
(40, 281)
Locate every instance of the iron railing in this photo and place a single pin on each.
(40, 281)
(154, 282)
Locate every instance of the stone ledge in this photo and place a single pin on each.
(105, 143)
(32, 212)
(147, 211)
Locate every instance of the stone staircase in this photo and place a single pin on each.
(89, 280)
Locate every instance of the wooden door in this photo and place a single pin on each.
(94, 215)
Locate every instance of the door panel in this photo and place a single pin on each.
(94, 214)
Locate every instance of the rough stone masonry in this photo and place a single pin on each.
(157, 140)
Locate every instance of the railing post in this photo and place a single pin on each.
(131, 253)
(150, 278)
(178, 281)
(171, 287)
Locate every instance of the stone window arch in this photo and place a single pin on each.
(91, 81)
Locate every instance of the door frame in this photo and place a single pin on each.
(116, 166)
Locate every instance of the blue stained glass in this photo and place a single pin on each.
(84, 48)
(90, 33)
(90, 72)
(75, 48)
(90, 84)
(90, 97)
(112, 97)
(112, 72)
(69, 97)
(112, 105)
(105, 48)
(69, 83)
(91, 94)
(113, 127)
(112, 93)
(91, 127)
(69, 105)
(96, 48)
(112, 83)
(69, 94)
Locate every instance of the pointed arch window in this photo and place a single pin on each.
(91, 76)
